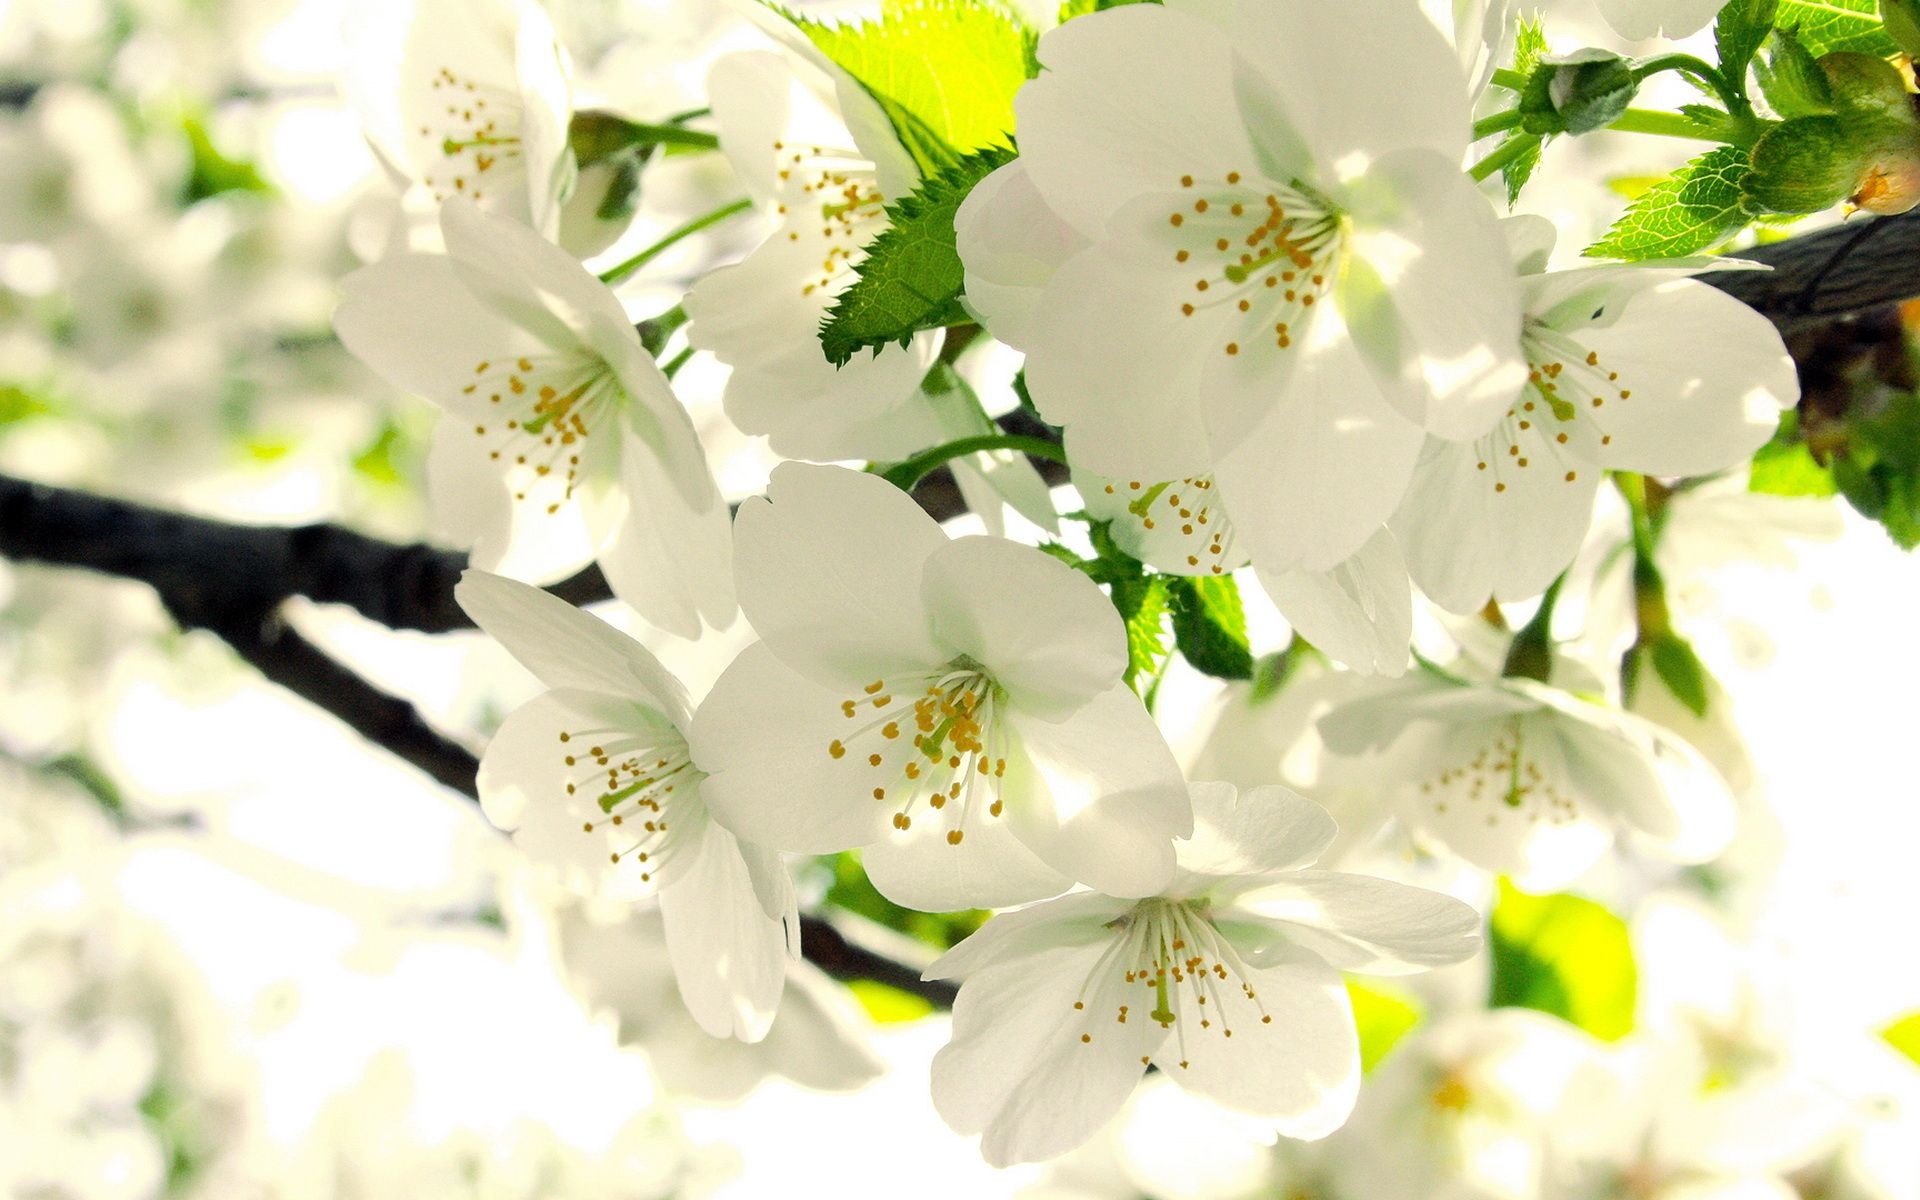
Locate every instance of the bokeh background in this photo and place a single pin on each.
(244, 953)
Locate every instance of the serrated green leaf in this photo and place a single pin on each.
(1209, 625)
(1529, 47)
(1829, 25)
(1738, 34)
(943, 71)
(1142, 604)
(1694, 208)
(1565, 956)
(910, 278)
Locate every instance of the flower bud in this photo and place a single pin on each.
(1578, 92)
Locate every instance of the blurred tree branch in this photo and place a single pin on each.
(230, 580)
(1832, 273)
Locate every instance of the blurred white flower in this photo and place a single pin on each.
(595, 781)
(1530, 781)
(1064, 1004)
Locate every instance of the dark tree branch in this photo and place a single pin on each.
(230, 580)
(1819, 277)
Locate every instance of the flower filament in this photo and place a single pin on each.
(1501, 775)
(954, 752)
(545, 406)
(476, 151)
(1172, 949)
(1183, 509)
(631, 776)
(1558, 422)
(845, 188)
(1271, 251)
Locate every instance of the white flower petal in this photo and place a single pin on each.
(1324, 468)
(989, 868)
(1012, 244)
(1305, 54)
(1017, 1068)
(762, 734)
(531, 282)
(1293, 1056)
(524, 783)
(565, 647)
(1475, 525)
(412, 320)
(1252, 833)
(1043, 631)
(1429, 296)
(1098, 796)
(729, 956)
(1637, 20)
(1358, 923)
(671, 560)
(1128, 102)
(1359, 614)
(1007, 937)
(1708, 378)
(829, 570)
(540, 539)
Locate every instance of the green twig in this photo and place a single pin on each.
(615, 274)
(906, 474)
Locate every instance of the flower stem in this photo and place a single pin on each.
(654, 331)
(906, 474)
(1687, 64)
(672, 366)
(1495, 123)
(1506, 152)
(615, 274)
(1513, 81)
(641, 134)
(1665, 124)
(1530, 654)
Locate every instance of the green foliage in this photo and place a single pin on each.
(1209, 625)
(943, 71)
(1902, 19)
(1673, 660)
(849, 888)
(1565, 956)
(1791, 79)
(1786, 466)
(212, 172)
(1738, 33)
(1143, 605)
(1904, 1035)
(911, 277)
(887, 1005)
(1868, 132)
(1694, 208)
(1829, 25)
(1080, 8)
(1879, 470)
(1529, 47)
(1383, 1014)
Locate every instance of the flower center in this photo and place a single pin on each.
(545, 408)
(1559, 422)
(631, 775)
(954, 755)
(1268, 253)
(846, 192)
(1182, 510)
(471, 134)
(1171, 948)
(1501, 777)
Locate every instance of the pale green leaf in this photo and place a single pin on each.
(1691, 210)
(1565, 956)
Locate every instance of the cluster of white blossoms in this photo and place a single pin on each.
(1286, 336)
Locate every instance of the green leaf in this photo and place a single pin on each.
(1739, 31)
(887, 1005)
(1791, 79)
(212, 172)
(1209, 625)
(1829, 25)
(847, 887)
(1529, 47)
(1879, 471)
(1681, 670)
(1143, 608)
(943, 71)
(911, 277)
(1565, 956)
(1904, 1035)
(1786, 466)
(1383, 1014)
(1694, 208)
